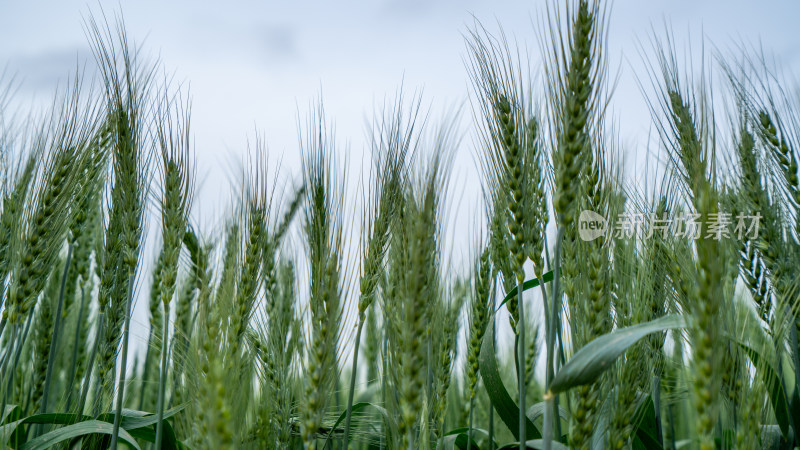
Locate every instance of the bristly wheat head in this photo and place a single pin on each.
(322, 226)
(126, 84)
(575, 76)
(391, 140)
(415, 291)
(688, 138)
(480, 314)
(174, 142)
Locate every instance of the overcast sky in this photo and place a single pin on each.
(254, 66)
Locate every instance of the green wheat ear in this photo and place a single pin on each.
(480, 314)
(390, 141)
(575, 82)
(126, 82)
(174, 142)
(322, 227)
(692, 150)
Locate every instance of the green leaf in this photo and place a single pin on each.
(62, 434)
(458, 438)
(771, 438)
(530, 284)
(777, 395)
(538, 444)
(594, 358)
(646, 435)
(356, 408)
(132, 419)
(134, 422)
(537, 410)
(168, 441)
(462, 430)
(501, 400)
(463, 442)
(794, 408)
(55, 418)
(8, 431)
(10, 413)
(141, 425)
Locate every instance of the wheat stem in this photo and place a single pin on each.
(353, 374)
(56, 331)
(20, 344)
(123, 364)
(90, 365)
(550, 410)
(77, 344)
(521, 366)
(163, 380)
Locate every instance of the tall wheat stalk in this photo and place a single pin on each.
(174, 141)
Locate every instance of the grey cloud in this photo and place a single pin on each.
(278, 41)
(46, 70)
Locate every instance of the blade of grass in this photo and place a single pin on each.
(86, 428)
(356, 408)
(56, 332)
(777, 394)
(123, 364)
(530, 284)
(596, 357)
(163, 380)
(501, 400)
(76, 343)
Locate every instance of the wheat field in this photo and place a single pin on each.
(656, 316)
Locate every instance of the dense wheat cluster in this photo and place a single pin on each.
(663, 316)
